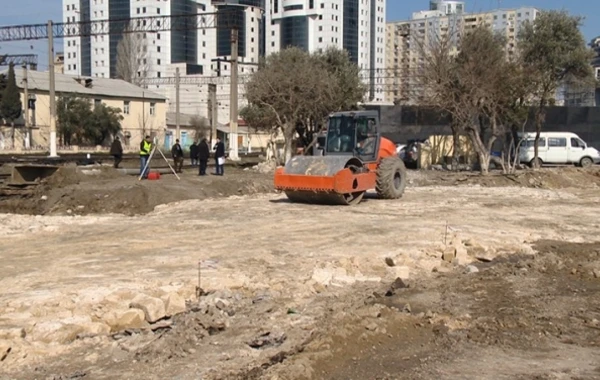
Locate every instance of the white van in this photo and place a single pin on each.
(557, 148)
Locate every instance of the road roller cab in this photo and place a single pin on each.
(355, 159)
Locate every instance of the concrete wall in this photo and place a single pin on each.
(402, 123)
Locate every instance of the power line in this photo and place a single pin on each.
(19, 59)
(221, 20)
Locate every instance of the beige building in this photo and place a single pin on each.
(445, 20)
(59, 63)
(144, 112)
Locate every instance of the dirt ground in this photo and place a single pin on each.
(93, 190)
(465, 277)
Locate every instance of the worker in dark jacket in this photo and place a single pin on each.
(116, 150)
(145, 150)
(219, 156)
(203, 156)
(194, 153)
(177, 153)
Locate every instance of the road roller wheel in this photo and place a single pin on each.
(391, 178)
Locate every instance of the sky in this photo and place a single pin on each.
(40, 11)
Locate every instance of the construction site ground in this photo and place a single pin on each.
(465, 277)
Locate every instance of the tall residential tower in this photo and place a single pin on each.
(357, 26)
(444, 19)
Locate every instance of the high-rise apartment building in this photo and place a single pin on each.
(266, 26)
(444, 20)
(357, 26)
(97, 56)
(202, 52)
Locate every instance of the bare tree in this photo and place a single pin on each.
(201, 126)
(291, 88)
(480, 88)
(146, 124)
(436, 79)
(133, 60)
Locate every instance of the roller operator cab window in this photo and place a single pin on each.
(352, 135)
(341, 135)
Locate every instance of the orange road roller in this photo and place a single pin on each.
(355, 159)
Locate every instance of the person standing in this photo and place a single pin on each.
(203, 156)
(219, 156)
(177, 153)
(145, 149)
(116, 150)
(194, 153)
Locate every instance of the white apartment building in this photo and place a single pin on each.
(444, 19)
(197, 53)
(268, 26)
(357, 26)
(96, 56)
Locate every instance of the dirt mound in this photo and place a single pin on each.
(73, 175)
(551, 178)
(82, 191)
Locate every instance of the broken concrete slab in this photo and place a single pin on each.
(129, 319)
(153, 308)
(175, 304)
(449, 254)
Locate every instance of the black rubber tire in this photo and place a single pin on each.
(586, 162)
(391, 178)
(532, 163)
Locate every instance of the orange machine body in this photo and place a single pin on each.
(337, 173)
(346, 180)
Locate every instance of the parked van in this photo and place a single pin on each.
(557, 148)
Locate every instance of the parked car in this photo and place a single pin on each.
(411, 155)
(401, 150)
(557, 148)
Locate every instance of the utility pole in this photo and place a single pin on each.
(52, 85)
(177, 127)
(213, 112)
(233, 98)
(26, 102)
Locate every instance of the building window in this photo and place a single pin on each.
(126, 107)
(97, 102)
(152, 108)
(294, 7)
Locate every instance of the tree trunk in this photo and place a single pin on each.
(455, 147)
(12, 124)
(484, 162)
(288, 135)
(483, 154)
(539, 116)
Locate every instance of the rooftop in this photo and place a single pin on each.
(70, 84)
